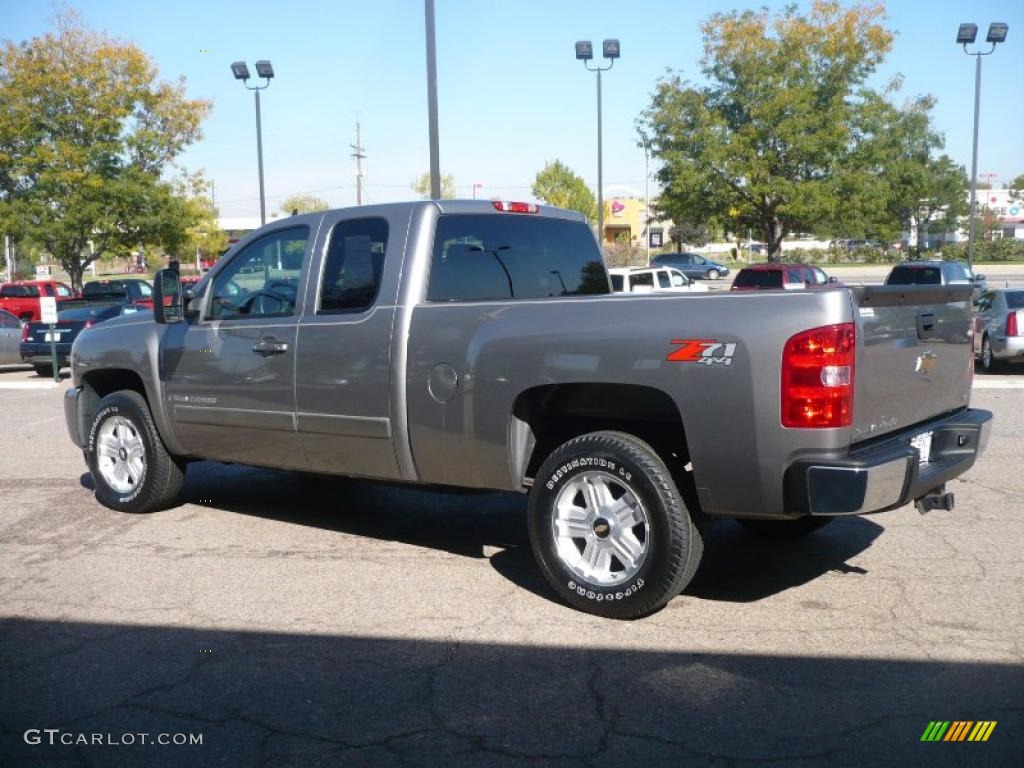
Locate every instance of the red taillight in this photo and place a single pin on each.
(507, 207)
(1011, 324)
(817, 377)
(25, 331)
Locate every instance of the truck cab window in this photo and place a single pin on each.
(479, 257)
(353, 267)
(262, 280)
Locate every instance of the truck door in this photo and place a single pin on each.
(343, 376)
(229, 371)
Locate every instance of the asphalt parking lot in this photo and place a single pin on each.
(309, 621)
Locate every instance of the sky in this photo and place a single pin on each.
(511, 94)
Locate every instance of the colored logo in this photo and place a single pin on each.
(958, 730)
(617, 208)
(702, 351)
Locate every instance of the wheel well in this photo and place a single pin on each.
(545, 417)
(98, 384)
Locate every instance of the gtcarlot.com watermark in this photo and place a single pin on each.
(55, 736)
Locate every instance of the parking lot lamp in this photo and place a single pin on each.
(241, 72)
(965, 36)
(585, 53)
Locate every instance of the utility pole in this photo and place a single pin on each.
(357, 153)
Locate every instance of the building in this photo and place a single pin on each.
(995, 206)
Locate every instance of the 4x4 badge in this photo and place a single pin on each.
(702, 351)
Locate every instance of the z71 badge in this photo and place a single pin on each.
(702, 351)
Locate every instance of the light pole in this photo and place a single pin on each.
(647, 199)
(265, 71)
(965, 36)
(435, 161)
(585, 52)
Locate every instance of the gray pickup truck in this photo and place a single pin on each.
(478, 345)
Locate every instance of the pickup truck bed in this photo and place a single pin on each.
(478, 345)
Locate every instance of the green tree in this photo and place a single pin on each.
(556, 184)
(1016, 188)
(421, 186)
(684, 233)
(767, 141)
(204, 235)
(86, 133)
(303, 204)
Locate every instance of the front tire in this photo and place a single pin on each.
(46, 371)
(609, 528)
(131, 469)
(785, 529)
(713, 274)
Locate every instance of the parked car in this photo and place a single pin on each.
(35, 348)
(477, 344)
(651, 280)
(936, 273)
(999, 328)
(21, 298)
(778, 275)
(10, 335)
(693, 265)
(135, 290)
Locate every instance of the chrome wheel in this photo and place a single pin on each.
(713, 274)
(986, 354)
(120, 454)
(601, 529)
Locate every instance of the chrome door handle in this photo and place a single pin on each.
(269, 347)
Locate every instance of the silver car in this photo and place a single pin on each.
(10, 338)
(999, 328)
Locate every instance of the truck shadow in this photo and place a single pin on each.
(273, 698)
(737, 566)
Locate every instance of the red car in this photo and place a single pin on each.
(785, 276)
(21, 298)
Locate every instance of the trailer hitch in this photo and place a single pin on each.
(936, 498)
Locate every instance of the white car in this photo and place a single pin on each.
(653, 280)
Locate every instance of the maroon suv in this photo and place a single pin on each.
(776, 275)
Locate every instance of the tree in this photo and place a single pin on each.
(86, 133)
(556, 184)
(768, 139)
(683, 234)
(204, 236)
(303, 204)
(421, 186)
(1016, 188)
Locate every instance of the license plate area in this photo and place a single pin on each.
(923, 443)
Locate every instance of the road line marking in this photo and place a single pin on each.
(998, 384)
(28, 385)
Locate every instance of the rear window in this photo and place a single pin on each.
(914, 276)
(757, 278)
(90, 290)
(20, 291)
(355, 262)
(1015, 299)
(492, 256)
(616, 282)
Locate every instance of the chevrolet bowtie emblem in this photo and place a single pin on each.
(925, 362)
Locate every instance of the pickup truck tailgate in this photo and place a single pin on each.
(915, 358)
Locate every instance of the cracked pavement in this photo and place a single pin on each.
(310, 621)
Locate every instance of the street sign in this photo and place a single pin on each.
(48, 309)
(43, 270)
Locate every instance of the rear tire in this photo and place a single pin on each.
(46, 371)
(609, 529)
(131, 468)
(785, 529)
(989, 364)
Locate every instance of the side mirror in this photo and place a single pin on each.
(833, 279)
(978, 278)
(167, 297)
